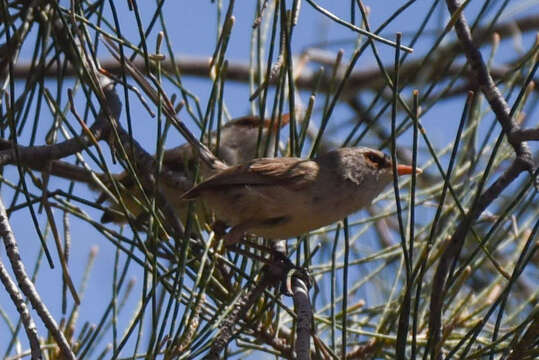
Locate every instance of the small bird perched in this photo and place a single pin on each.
(280, 198)
(237, 144)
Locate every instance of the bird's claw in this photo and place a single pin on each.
(298, 272)
(288, 271)
(219, 228)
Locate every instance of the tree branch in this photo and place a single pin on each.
(27, 286)
(370, 78)
(27, 321)
(526, 135)
(455, 245)
(304, 310)
(523, 162)
(486, 83)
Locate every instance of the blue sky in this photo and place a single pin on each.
(193, 30)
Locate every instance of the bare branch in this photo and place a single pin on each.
(455, 245)
(370, 78)
(526, 135)
(486, 83)
(27, 321)
(305, 316)
(523, 162)
(27, 286)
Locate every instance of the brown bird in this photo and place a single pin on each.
(237, 144)
(279, 198)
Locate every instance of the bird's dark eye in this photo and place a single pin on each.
(376, 159)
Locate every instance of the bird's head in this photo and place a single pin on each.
(239, 138)
(371, 168)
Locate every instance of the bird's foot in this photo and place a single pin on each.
(237, 233)
(286, 271)
(219, 228)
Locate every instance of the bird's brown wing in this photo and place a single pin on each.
(292, 172)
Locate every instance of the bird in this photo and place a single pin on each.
(238, 143)
(280, 198)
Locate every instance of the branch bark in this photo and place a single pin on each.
(523, 162)
(526, 135)
(27, 321)
(27, 286)
(370, 78)
(305, 315)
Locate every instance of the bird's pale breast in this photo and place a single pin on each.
(278, 212)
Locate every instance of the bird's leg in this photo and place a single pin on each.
(235, 234)
(287, 268)
(278, 267)
(219, 228)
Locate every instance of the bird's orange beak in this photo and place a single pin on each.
(407, 169)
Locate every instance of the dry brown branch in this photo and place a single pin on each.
(371, 78)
